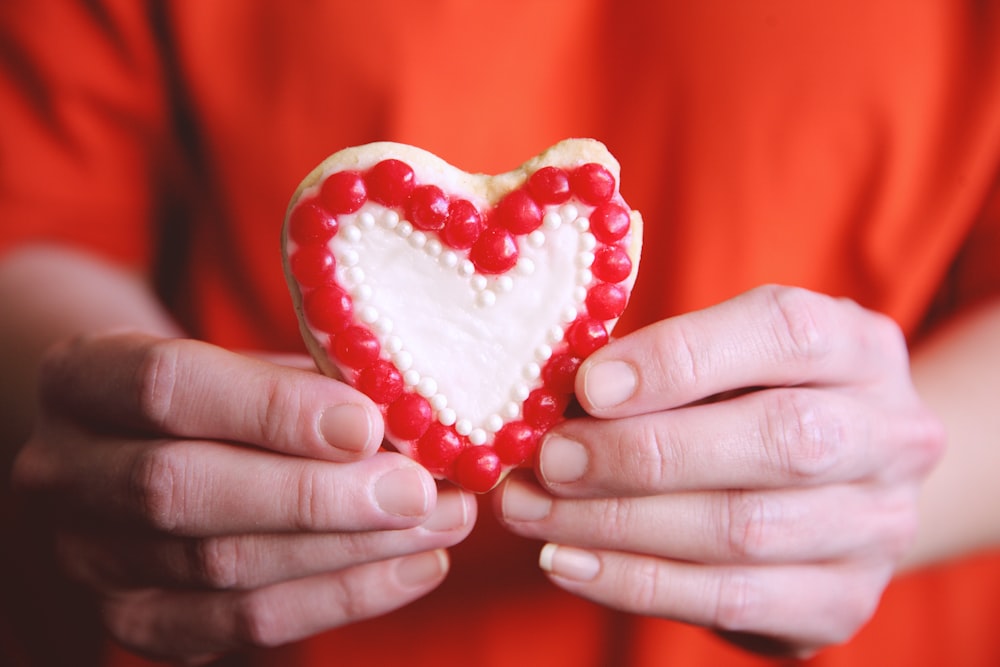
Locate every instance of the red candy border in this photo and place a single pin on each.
(490, 243)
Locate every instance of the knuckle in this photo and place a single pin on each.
(615, 519)
(738, 601)
(157, 380)
(258, 621)
(680, 363)
(312, 510)
(641, 581)
(658, 458)
(157, 483)
(798, 323)
(277, 415)
(216, 562)
(802, 438)
(745, 523)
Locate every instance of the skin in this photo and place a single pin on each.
(775, 442)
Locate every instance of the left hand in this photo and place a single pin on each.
(753, 467)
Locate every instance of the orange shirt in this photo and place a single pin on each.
(847, 147)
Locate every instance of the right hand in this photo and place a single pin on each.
(212, 501)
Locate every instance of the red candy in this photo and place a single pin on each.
(409, 416)
(478, 469)
(464, 224)
(390, 182)
(343, 192)
(516, 442)
(609, 223)
(559, 373)
(543, 409)
(356, 347)
(592, 183)
(310, 223)
(519, 213)
(381, 381)
(328, 308)
(495, 251)
(611, 264)
(549, 185)
(313, 266)
(606, 301)
(438, 448)
(428, 208)
(586, 335)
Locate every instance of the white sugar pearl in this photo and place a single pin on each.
(536, 239)
(520, 392)
(582, 224)
(532, 371)
(393, 344)
(404, 228)
(511, 410)
(356, 275)
(494, 423)
(450, 259)
(403, 360)
(568, 314)
(433, 247)
(579, 295)
(552, 220)
(368, 314)
(525, 266)
(366, 220)
(427, 387)
(362, 293)
(390, 219)
(351, 233)
(554, 334)
(418, 239)
(439, 402)
(588, 241)
(411, 378)
(383, 326)
(585, 259)
(447, 417)
(349, 257)
(478, 282)
(466, 268)
(477, 436)
(569, 213)
(504, 283)
(463, 427)
(584, 277)
(543, 353)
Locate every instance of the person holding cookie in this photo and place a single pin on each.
(784, 451)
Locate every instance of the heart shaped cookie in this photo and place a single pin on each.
(462, 304)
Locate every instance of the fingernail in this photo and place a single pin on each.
(346, 426)
(609, 383)
(451, 512)
(569, 563)
(562, 460)
(402, 492)
(422, 568)
(524, 502)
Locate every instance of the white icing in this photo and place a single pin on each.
(425, 302)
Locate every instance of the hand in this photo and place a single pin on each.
(212, 501)
(753, 467)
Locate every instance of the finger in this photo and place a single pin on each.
(185, 625)
(187, 388)
(764, 439)
(804, 606)
(726, 527)
(771, 336)
(240, 562)
(195, 488)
